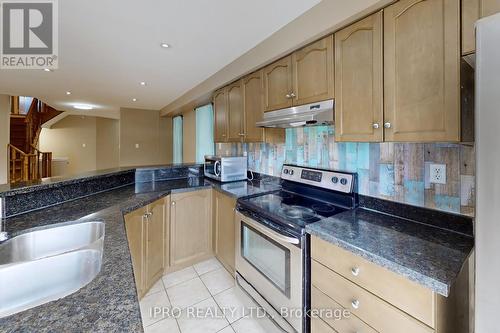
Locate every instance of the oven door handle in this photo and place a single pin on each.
(273, 234)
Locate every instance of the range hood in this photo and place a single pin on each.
(314, 114)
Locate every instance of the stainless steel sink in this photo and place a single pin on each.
(48, 242)
(45, 265)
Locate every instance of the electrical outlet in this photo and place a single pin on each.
(437, 173)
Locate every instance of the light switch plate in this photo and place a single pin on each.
(437, 173)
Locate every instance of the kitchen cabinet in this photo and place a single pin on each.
(224, 207)
(278, 84)
(190, 227)
(470, 14)
(306, 76)
(238, 107)
(235, 112)
(378, 299)
(313, 72)
(421, 71)
(253, 106)
(359, 105)
(220, 115)
(473, 10)
(146, 233)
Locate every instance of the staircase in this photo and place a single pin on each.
(26, 161)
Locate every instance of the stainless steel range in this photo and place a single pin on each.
(272, 247)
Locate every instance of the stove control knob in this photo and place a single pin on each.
(291, 172)
(285, 171)
(343, 181)
(335, 180)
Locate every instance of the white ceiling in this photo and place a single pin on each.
(106, 47)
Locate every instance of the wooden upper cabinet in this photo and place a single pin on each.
(473, 10)
(278, 84)
(253, 108)
(421, 71)
(489, 7)
(220, 115)
(313, 72)
(359, 81)
(235, 112)
(470, 14)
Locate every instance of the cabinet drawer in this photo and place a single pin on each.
(407, 295)
(319, 326)
(344, 325)
(380, 315)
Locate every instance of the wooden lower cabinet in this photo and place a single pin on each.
(380, 300)
(224, 207)
(146, 230)
(190, 227)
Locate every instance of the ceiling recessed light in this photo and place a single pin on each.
(47, 70)
(83, 107)
(134, 99)
(68, 92)
(165, 45)
(142, 83)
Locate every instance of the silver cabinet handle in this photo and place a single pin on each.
(173, 203)
(288, 96)
(292, 95)
(355, 304)
(376, 126)
(241, 134)
(387, 125)
(355, 271)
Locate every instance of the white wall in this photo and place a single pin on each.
(4, 137)
(487, 303)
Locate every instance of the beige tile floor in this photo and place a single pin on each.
(201, 298)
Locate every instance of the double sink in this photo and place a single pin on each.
(45, 265)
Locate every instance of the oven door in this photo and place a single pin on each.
(272, 264)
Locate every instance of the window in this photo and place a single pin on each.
(177, 138)
(204, 132)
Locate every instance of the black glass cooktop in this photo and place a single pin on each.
(290, 209)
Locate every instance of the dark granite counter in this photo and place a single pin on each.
(109, 303)
(426, 254)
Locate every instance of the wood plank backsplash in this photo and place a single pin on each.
(393, 171)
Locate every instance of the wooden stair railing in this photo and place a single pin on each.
(23, 167)
(45, 158)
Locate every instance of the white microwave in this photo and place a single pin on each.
(226, 168)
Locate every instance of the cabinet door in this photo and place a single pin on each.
(278, 84)
(224, 220)
(190, 227)
(313, 72)
(421, 71)
(220, 116)
(253, 109)
(235, 112)
(359, 82)
(470, 14)
(489, 7)
(155, 244)
(136, 235)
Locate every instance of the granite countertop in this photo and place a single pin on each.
(428, 255)
(23, 187)
(109, 303)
